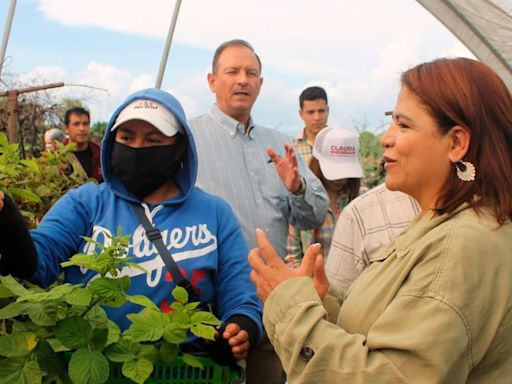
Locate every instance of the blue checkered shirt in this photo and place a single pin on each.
(234, 165)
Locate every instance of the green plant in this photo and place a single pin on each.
(36, 184)
(62, 334)
(98, 130)
(370, 153)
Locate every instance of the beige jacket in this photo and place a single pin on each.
(435, 307)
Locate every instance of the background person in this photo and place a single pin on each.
(314, 111)
(364, 228)
(436, 307)
(234, 164)
(77, 125)
(149, 158)
(336, 163)
(50, 137)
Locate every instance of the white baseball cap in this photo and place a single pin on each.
(152, 112)
(337, 151)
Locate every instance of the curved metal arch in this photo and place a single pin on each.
(483, 26)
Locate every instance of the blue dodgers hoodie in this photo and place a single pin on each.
(199, 229)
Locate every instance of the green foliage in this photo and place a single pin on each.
(370, 153)
(98, 130)
(68, 103)
(62, 333)
(35, 184)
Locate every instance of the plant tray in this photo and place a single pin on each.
(182, 373)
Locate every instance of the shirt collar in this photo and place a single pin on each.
(420, 226)
(301, 135)
(232, 126)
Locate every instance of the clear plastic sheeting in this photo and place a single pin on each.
(484, 26)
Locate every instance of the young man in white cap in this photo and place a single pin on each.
(149, 159)
(336, 163)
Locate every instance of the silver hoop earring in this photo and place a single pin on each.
(468, 171)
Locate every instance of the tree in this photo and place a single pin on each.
(371, 157)
(35, 111)
(65, 104)
(370, 153)
(98, 130)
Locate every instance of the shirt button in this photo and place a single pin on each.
(306, 354)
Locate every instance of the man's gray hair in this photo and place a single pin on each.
(230, 43)
(55, 134)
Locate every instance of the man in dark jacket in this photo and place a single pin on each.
(77, 125)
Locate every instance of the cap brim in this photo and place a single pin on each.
(336, 171)
(160, 124)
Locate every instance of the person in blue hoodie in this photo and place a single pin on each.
(149, 158)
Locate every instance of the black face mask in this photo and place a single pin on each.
(144, 170)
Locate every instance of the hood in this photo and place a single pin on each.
(185, 178)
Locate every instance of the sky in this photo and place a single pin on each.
(103, 50)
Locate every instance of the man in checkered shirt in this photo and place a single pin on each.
(314, 111)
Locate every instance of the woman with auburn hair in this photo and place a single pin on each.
(436, 306)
